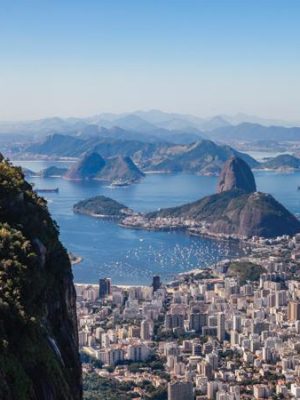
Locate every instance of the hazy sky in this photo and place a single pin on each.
(79, 58)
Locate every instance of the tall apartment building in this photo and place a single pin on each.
(221, 327)
(156, 283)
(104, 287)
(294, 311)
(180, 391)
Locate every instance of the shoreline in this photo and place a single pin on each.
(188, 231)
(96, 285)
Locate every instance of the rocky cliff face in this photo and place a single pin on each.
(237, 210)
(236, 174)
(38, 327)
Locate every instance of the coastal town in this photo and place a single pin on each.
(189, 225)
(228, 332)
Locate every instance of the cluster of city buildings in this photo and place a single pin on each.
(216, 335)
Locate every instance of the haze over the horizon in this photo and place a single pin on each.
(75, 58)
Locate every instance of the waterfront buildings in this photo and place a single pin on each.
(104, 287)
(209, 334)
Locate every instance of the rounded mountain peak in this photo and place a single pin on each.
(236, 175)
(86, 168)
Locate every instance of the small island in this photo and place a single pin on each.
(53, 172)
(102, 207)
(281, 163)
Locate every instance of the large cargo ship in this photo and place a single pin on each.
(54, 190)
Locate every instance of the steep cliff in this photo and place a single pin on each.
(38, 327)
(236, 174)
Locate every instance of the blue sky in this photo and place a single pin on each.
(78, 58)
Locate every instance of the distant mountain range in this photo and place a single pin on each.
(282, 162)
(155, 125)
(203, 157)
(254, 132)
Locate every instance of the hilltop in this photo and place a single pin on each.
(201, 157)
(282, 162)
(120, 169)
(236, 175)
(86, 168)
(237, 214)
(53, 172)
(115, 169)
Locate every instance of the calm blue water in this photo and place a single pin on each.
(133, 257)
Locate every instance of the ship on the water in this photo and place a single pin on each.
(53, 190)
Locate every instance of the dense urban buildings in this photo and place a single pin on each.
(230, 332)
(104, 287)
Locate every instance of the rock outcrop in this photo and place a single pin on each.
(237, 210)
(87, 168)
(236, 174)
(38, 327)
(93, 166)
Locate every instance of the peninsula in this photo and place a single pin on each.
(236, 211)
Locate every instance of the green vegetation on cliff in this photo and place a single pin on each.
(237, 213)
(38, 332)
